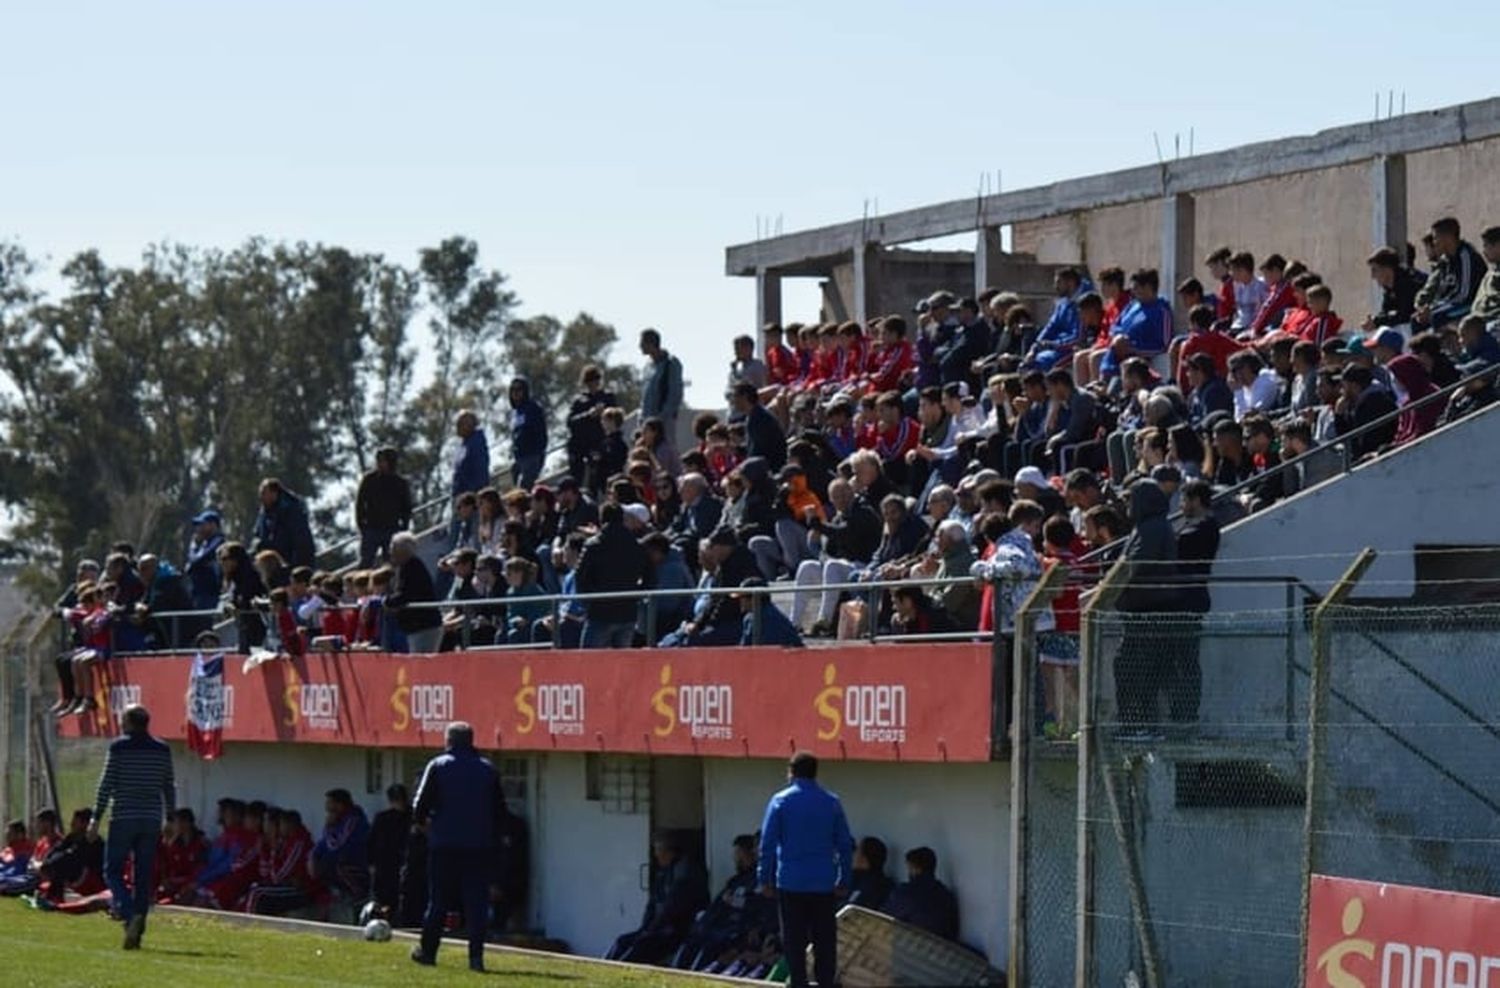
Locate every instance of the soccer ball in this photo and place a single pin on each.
(378, 930)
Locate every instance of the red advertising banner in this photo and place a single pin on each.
(882, 703)
(1373, 935)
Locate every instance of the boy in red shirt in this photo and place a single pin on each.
(284, 881)
(1322, 324)
(1057, 650)
(895, 435)
(890, 361)
(1116, 299)
(1218, 269)
(1204, 337)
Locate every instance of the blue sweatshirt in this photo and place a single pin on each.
(805, 844)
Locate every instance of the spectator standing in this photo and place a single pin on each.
(586, 428)
(138, 788)
(612, 562)
(205, 579)
(763, 434)
(661, 392)
(1140, 672)
(421, 628)
(528, 434)
(460, 801)
(282, 525)
(388, 834)
(806, 863)
(243, 587)
(471, 461)
(1197, 545)
(382, 507)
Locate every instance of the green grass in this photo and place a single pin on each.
(45, 949)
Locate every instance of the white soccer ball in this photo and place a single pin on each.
(378, 930)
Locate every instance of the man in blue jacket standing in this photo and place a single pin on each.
(471, 464)
(806, 858)
(528, 434)
(459, 799)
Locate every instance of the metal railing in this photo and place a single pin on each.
(1341, 444)
(647, 617)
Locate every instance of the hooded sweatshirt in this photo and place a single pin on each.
(1152, 542)
(1412, 378)
(528, 423)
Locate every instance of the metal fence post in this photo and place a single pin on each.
(1023, 656)
(1103, 598)
(1319, 695)
(756, 602)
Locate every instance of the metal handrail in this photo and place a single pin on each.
(871, 590)
(1341, 444)
(430, 506)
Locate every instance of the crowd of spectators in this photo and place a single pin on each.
(736, 933)
(966, 440)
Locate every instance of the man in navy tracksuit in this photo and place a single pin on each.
(528, 434)
(806, 858)
(460, 800)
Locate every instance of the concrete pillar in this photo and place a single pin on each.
(767, 298)
(866, 282)
(987, 258)
(1177, 231)
(1388, 220)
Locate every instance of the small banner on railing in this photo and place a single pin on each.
(1373, 935)
(205, 706)
(929, 703)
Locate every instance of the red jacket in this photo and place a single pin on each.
(286, 862)
(888, 364)
(1319, 329)
(1112, 310)
(1065, 604)
(1220, 346)
(178, 863)
(895, 442)
(781, 364)
(1226, 305)
(1277, 302)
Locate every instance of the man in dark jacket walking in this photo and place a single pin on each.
(612, 561)
(138, 783)
(528, 435)
(459, 799)
(382, 507)
(1151, 552)
(282, 525)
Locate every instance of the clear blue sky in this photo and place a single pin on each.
(604, 154)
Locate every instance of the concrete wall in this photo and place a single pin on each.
(587, 862)
(961, 811)
(1128, 236)
(1454, 181)
(902, 278)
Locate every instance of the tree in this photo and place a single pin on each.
(552, 357)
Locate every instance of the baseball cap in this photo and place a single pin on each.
(1388, 338)
(207, 516)
(1032, 476)
(639, 512)
(1355, 347)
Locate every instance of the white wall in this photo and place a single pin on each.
(293, 776)
(585, 862)
(962, 812)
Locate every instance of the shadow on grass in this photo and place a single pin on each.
(216, 955)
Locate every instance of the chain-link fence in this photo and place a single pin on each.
(1212, 746)
(1407, 766)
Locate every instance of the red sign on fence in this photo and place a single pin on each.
(1373, 935)
(882, 703)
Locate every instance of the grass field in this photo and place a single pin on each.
(44, 949)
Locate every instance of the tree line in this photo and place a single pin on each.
(141, 394)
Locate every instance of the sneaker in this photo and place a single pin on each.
(85, 706)
(133, 932)
(62, 704)
(423, 959)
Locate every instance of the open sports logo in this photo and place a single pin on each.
(705, 709)
(558, 705)
(430, 705)
(876, 710)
